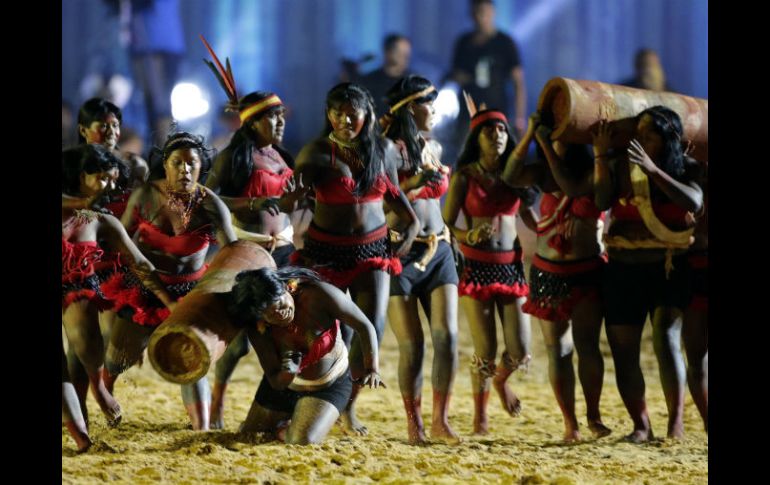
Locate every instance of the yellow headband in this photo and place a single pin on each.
(255, 108)
(412, 97)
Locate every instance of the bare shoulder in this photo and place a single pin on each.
(208, 193)
(109, 220)
(321, 289)
(462, 174)
(393, 159)
(435, 148)
(315, 152)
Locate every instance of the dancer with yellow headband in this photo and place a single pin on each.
(429, 274)
(652, 192)
(253, 176)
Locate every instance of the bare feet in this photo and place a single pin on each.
(109, 380)
(199, 415)
(417, 435)
(441, 431)
(280, 430)
(572, 436)
(598, 429)
(351, 424)
(80, 435)
(414, 425)
(81, 389)
(480, 425)
(640, 436)
(107, 403)
(676, 430)
(480, 417)
(511, 403)
(216, 412)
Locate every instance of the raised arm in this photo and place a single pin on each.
(688, 195)
(567, 184)
(603, 181)
(516, 173)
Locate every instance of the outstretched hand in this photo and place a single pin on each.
(373, 379)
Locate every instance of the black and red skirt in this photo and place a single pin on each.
(79, 279)
(556, 287)
(488, 274)
(340, 259)
(131, 298)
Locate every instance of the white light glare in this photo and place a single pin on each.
(187, 102)
(446, 105)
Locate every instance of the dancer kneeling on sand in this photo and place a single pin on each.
(292, 319)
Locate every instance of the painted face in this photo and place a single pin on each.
(105, 132)
(424, 115)
(97, 183)
(650, 140)
(269, 128)
(281, 311)
(493, 138)
(183, 167)
(347, 121)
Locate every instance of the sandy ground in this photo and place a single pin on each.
(153, 443)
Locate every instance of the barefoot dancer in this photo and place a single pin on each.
(493, 279)
(653, 192)
(429, 275)
(565, 277)
(293, 321)
(351, 169)
(88, 171)
(173, 219)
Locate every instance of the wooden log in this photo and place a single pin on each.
(577, 106)
(197, 332)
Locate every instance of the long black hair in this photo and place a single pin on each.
(668, 125)
(472, 151)
(671, 159)
(85, 158)
(371, 145)
(471, 148)
(255, 290)
(403, 126)
(242, 143)
(175, 141)
(95, 109)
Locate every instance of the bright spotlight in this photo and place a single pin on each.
(446, 105)
(187, 102)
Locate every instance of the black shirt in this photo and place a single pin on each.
(378, 83)
(489, 66)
